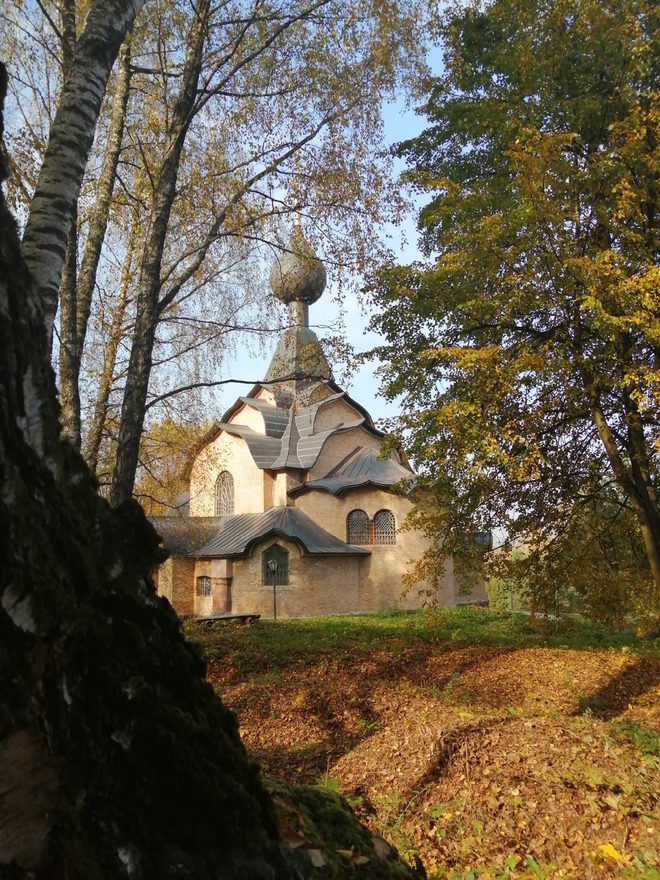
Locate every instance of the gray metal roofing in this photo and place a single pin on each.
(298, 359)
(263, 449)
(233, 536)
(275, 418)
(288, 456)
(295, 445)
(361, 467)
(367, 461)
(180, 506)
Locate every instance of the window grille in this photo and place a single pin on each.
(224, 494)
(357, 527)
(384, 527)
(203, 586)
(275, 566)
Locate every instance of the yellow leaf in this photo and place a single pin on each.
(609, 852)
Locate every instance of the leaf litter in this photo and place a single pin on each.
(477, 761)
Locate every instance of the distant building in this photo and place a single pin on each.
(291, 510)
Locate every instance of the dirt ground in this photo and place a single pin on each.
(532, 762)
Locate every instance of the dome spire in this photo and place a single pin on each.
(298, 276)
(298, 366)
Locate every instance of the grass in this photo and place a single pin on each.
(268, 647)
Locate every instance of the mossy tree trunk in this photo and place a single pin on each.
(116, 758)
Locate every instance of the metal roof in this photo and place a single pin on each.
(298, 361)
(180, 506)
(263, 449)
(361, 467)
(275, 418)
(290, 440)
(233, 536)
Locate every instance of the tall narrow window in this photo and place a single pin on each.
(203, 586)
(357, 527)
(384, 527)
(275, 566)
(224, 494)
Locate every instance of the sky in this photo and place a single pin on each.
(400, 123)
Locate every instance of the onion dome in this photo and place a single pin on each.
(298, 275)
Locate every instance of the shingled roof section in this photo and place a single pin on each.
(233, 536)
(361, 467)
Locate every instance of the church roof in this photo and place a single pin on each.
(290, 440)
(234, 535)
(299, 383)
(361, 467)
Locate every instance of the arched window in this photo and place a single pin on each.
(275, 566)
(357, 527)
(384, 527)
(203, 586)
(224, 494)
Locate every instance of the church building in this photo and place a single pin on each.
(292, 511)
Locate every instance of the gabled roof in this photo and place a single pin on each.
(290, 440)
(361, 467)
(275, 418)
(263, 449)
(233, 536)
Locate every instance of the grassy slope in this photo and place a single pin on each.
(486, 744)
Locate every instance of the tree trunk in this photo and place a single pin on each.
(68, 389)
(69, 398)
(116, 758)
(629, 477)
(76, 307)
(97, 428)
(71, 136)
(650, 527)
(139, 368)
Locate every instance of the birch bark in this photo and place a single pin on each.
(72, 133)
(139, 369)
(68, 284)
(95, 434)
(74, 802)
(75, 304)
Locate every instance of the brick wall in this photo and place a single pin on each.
(380, 583)
(176, 583)
(334, 413)
(226, 453)
(317, 585)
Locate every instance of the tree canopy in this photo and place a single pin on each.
(526, 349)
(220, 122)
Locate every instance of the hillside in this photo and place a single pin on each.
(470, 740)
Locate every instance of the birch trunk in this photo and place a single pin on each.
(99, 220)
(71, 136)
(139, 368)
(75, 303)
(68, 389)
(99, 419)
(69, 399)
(116, 759)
